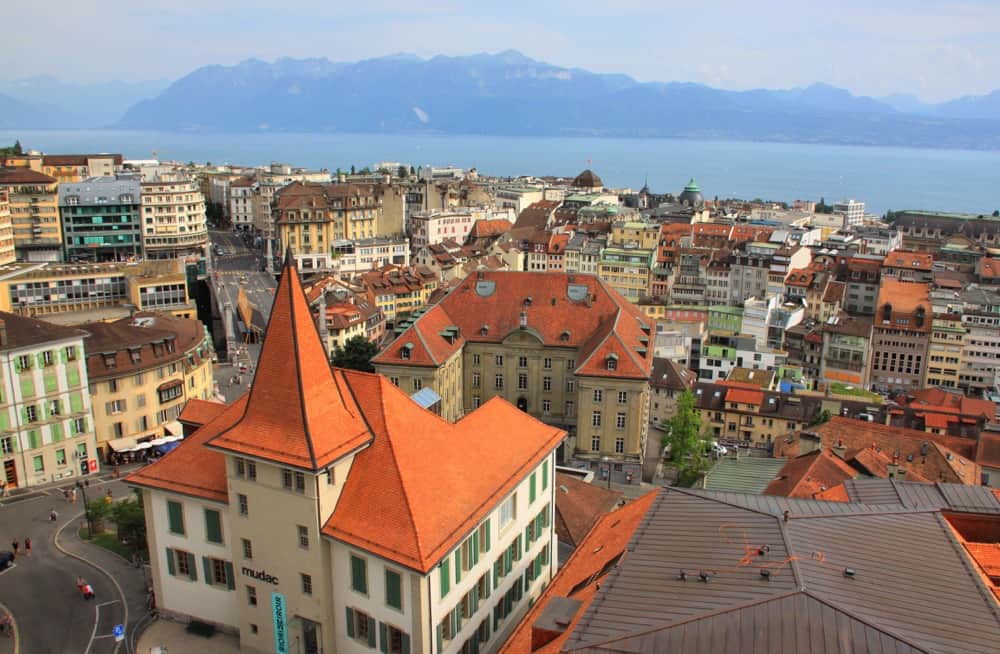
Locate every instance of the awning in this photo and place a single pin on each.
(174, 428)
(122, 444)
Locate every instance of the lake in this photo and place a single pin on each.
(883, 178)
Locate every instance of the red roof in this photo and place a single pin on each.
(909, 260)
(299, 414)
(24, 176)
(989, 268)
(809, 474)
(745, 396)
(200, 412)
(937, 400)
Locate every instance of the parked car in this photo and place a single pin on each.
(6, 560)
(714, 448)
(220, 251)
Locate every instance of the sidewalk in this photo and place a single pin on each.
(104, 476)
(172, 637)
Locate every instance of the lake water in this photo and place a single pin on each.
(884, 178)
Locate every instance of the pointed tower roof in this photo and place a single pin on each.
(298, 414)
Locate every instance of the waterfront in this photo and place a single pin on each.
(884, 178)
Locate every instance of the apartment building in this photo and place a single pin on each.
(241, 208)
(78, 293)
(862, 276)
(565, 348)
(264, 521)
(46, 426)
(34, 213)
(7, 252)
(667, 381)
(142, 371)
(900, 335)
(627, 270)
(927, 231)
(362, 255)
(173, 217)
(399, 292)
(101, 219)
(743, 412)
(434, 226)
(852, 211)
(944, 351)
(909, 266)
(845, 353)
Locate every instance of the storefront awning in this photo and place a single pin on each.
(122, 444)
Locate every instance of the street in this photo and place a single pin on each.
(40, 590)
(239, 267)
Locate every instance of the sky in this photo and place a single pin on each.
(932, 49)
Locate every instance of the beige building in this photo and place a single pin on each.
(564, 348)
(173, 217)
(33, 200)
(308, 517)
(900, 336)
(105, 291)
(46, 427)
(78, 167)
(7, 254)
(142, 371)
(944, 351)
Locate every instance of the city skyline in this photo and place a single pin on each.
(900, 47)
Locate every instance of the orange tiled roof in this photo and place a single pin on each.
(300, 414)
(904, 297)
(191, 468)
(494, 227)
(745, 396)
(909, 260)
(989, 268)
(581, 576)
(938, 400)
(809, 474)
(430, 502)
(24, 176)
(200, 412)
(578, 506)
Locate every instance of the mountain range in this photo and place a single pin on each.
(498, 94)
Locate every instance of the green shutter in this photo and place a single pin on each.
(527, 534)
(405, 643)
(531, 488)
(170, 562)
(440, 640)
(51, 382)
(488, 534)
(40, 358)
(213, 526)
(371, 632)
(458, 565)
(72, 427)
(539, 523)
(62, 355)
(496, 572)
(350, 622)
(73, 375)
(176, 515)
(383, 637)
(27, 386)
(445, 577)
(475, 548)
(230, 577)
(393, 589)
(4, 419)
(545, 474)
(359, 579)
(56, 429)
(75, 402)
(207, 567)
(192, 571)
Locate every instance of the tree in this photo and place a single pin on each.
(356, 354)
(352, 169)
(820, 418)
(403, 172)
(413, 171)
(130, 518)
(685, 442)
(366, 171)
(996, 214)
(17, 147)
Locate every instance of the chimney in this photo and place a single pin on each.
(840, 449)
(809, 442)
(322, 320)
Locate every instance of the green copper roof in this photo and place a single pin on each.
(692, 186)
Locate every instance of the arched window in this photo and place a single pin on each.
(886, 312)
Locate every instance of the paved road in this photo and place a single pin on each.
(40, 590)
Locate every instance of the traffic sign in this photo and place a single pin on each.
(119, 632)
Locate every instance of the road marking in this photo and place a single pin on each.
(9, 568)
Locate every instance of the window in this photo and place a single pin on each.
(80, 425)
(522, 382)
(620, 420)
(171, 392)
(475, 380)
(24, 362)
(417, 383)
(547, 363)
(595, 419)
(244, 504)
(508, 510)
(622, 397)
(475, 401)
(70, 353)
(612, 363)
(598, 395)
(112, 385)
(6, 445)
(247, 548)
(175, 513)
(546, 406)
(394, 641)
(595, 443)
(286, 479)
(47, 357)
(475, 359)
(251, 596)
(55, 408)
(394, 381)
(38, 463)
(570, 385)
(114, 407)
(546, 383)
(218, 571)
(361, 626)
(31, 413)
(522, 362)
(300, 482)
(60, 457)
(359, 575)
(303, 532)
(571, 364)
(498, 382)
(307, 583)
(620, 445)
(570, 408)
(181, 564)
(394, 589)
(213, 526)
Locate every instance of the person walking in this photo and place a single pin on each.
(16, 546)
(53, 516)
(27, 547)
(107, 498)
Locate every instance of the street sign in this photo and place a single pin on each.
(119, 632)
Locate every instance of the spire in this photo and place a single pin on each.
(299, 412)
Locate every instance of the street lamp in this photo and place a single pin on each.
(86, 508)
(607, 462)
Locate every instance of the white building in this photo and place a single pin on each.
(241, 208)
(362, 255)
(432, 227)
(173, 217)
(852, 211)
(325, 511)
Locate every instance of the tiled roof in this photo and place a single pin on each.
(191, 468)
(671, 375)
(145, 335)
(744, 396)
(76, 159)
(486, 228)
(806, 603)
(24, 176)
(536, 215)
(26, 332)
(938, 400)
(581, 577)
(809, 474)
(988, 450)
(430, 502)
(200, 412)
(904, 297)
(989, 268)
(834, 292)
(300, 413)
(910, 260)
(566, 310)
(578, 506)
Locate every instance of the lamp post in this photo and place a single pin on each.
(86, 508)
(607, 462)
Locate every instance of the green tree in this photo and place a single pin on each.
(413, 171)
(684, 440)
(352, 169)
(820, 418)
(366, 171)
(356, 354)
(996, 214)
(403, 172)
(130, 517)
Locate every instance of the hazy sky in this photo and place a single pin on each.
(936, 50)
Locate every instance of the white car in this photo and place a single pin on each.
(716, 449)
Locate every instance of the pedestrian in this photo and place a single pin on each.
(107, 498)
(72, 496)
(7, 625)
(3, 487)
(27, 547)
(53, 516)
(16, 546)
(66, 494)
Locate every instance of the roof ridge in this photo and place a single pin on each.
(291, 270)
(854, 616)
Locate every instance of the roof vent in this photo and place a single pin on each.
(765, 574)
(704, 576)
(849, 573)
(682, 576)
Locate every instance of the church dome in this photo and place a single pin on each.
(691, 195)
(587, 179)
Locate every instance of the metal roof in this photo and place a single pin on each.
(911, 589)
(917, 495)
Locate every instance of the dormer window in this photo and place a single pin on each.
(404, 352)
(887, 313)
(484, 330)
(135, 354)
(612, 362)
(564, 336)
(109, 359)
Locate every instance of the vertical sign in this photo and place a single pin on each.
(280, 623)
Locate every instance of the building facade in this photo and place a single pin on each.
(7, 251)
(142, 372)
(900, 335)
(101, 219)
(263, 521)
(173, 217)
(46, 426)
(34, 213)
